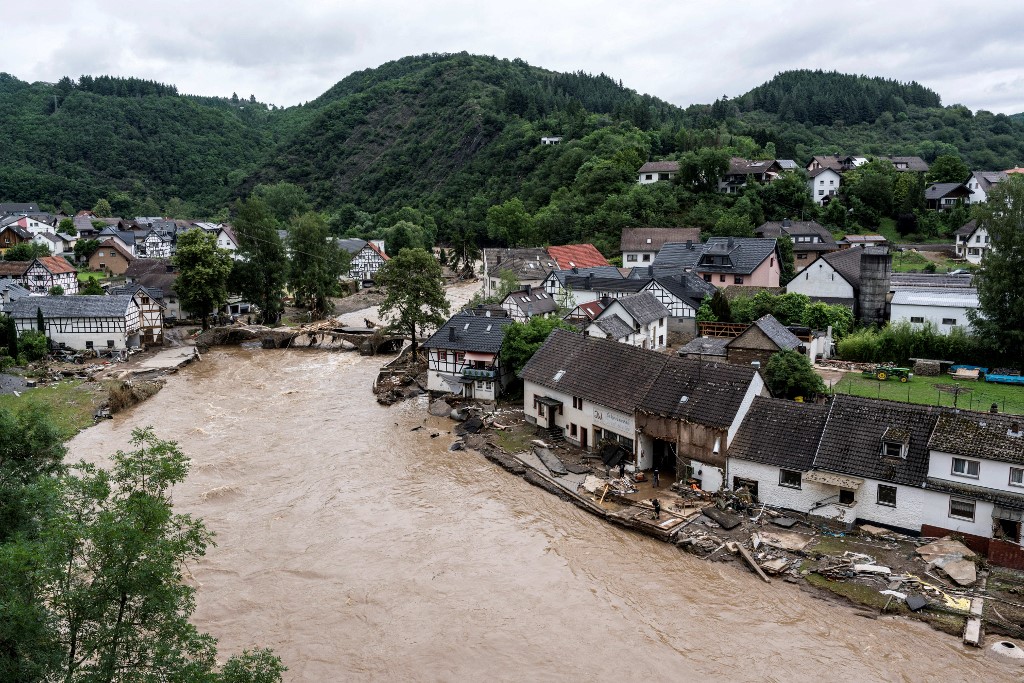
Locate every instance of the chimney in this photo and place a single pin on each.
(786, 223)
(689, 245)
(529, 289)
(451, 334)
(590, 279)
(650, 271)
(731, 243)
(605, 300)
(1014, 429)
(575, 270)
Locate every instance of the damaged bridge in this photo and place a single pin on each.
(369, 341)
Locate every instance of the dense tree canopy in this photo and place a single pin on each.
(203, 273)
(413, 292)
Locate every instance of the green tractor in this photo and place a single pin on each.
(884, 372)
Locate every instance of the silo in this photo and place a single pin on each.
(875, 269)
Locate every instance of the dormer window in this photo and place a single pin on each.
(895, 443)
(892, 449)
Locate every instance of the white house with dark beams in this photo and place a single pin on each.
(83, 322)
(463, 356)
(46, 272)
(640, 320)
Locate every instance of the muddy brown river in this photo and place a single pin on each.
(358, 549)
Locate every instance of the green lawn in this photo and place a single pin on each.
(1009, 397)
(71, 403)
(86, 275)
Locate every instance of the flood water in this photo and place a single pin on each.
(358, 549)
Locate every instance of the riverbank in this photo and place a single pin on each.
(878, 572)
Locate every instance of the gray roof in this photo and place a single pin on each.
(14, 207)
(846, 262)
(535, 302)
(653, 239)
(687, 287)
(739, 166)
(614, 326)
(72, 306)
(643, 307)
(940, 190)
(960, 297)
(986, 179)
(898, 281)
(780, 433)
(17, 229)
(741, 255)
(352, 245)
(471, 333)
(659, 167)
(913, 163)
(980, 435)
(800, 228)
(626, 378)
(578, 276)
(852, 439)
(126, 236)
(582, 283)
(967, 229)
(153, 293)
(532, 263)
(774, 330)
(707, 346)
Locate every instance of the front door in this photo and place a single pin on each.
(583, 437)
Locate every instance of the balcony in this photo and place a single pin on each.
(480, 373)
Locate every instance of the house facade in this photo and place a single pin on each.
(640, 246)
(980, 184)
(764, 338)
(724, 261)
(83, 322)
(47, 272)
(367, 261)
(945, 196)
(110, 258)
(654, 171)
(972, 242)
(643, 321)
(529, 303)
(12, 235)
(943, 309)
(824, 184)
(463, 356)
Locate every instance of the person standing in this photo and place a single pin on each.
(657, 507)
(655, 482)
(622, 469)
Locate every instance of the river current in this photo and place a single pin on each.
(359, 549)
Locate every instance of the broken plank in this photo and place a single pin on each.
(749, 559)
(726, 520)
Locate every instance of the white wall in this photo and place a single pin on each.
(587, 417)
(992, 473)
(821, 279)
(825, 184)
(933, 314)
(636, 258)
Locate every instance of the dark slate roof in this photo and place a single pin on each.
(852, 440)
(846, 262)
(968, 228)
(774, 330)
(687, 287)
(472, 333)
(606, 372)
(708, 346)
(677, 257)
(745, 253)
(986, 179)
(659, 167)
(643, 307)
(18, 230)
(800, 228)
(580, 283)
(780, 433)
(139, 267)
(913, 163)
(126, 236)
(698, 391)
(537, 302)
(18, 208)
(1006, 499)
(72, 306)
(579, 275)
(614, 326)
(352, 245)
(940, 190)
(653, 239)
(981, 435)
(818, 171)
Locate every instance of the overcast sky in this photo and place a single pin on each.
(686, 51)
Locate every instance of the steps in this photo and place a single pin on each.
(555, 435)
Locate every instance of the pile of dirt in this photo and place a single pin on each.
(123, 394)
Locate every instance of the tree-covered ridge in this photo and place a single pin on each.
(825, 97)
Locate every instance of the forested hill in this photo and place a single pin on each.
(823, 98)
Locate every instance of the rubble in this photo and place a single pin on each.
(953, 558)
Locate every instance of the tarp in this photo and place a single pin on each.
(612, 454)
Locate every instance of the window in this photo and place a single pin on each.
(721, 278)
(577, 403)
(801, 257)
(966, 468)
(916, 319)
(887, 495)
(831, 182)
(442, 356)
(489, 386)
(631, 258)
(892, 449)
(961, 509)
(707, 277)
(821, 192)
(572, 429)
(789, 478)
(821, 182)
(663, 176)
(661, 340)
(649, 176)
(88, 344)
(647, 258)
(738, 279)
(1016, 476)
(949, 321)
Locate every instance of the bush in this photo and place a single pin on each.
(33, 344)
(899, 342)
(789, 374)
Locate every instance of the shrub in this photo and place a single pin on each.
(33, 344)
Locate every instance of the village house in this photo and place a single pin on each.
(529, 303)
(84, 322)
(639, 320)
(552, 140)
(653, 171)
(151, 312)
(810, 239)
(640, 246)
(840, 163)
(528, 266)
(972, 242)
(18, 209)
(33, 224)
(857, 277)
(46, 272)
(824, 184)
(765, 337)
(682, 295)
(744, 171)
(367, 258)
(110, 258)
(671, 414)
(862, 241)
(944, 196)
(943, 309)
(52, 242)
(11, 291)
(584, 314)
(980, 184)
(12, 235)
(568, 256)
(574, 286)
(125, 238)
(463, 356)
(724, 261)
(152, 244)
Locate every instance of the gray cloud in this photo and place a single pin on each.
(686, 52)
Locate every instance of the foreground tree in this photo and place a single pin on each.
(789, 374)
(522, 340)
(414, 292)
(317, 263)
(260, 274)
(25, 251)
(1000, 282)
(203, 273)
(948, 168)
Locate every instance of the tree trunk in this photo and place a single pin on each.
(413, 328)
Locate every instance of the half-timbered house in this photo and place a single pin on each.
(46, 272)
(83, 322)
(463, 356)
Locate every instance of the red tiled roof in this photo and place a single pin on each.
(56, 264)
(380, 253)
(577, 256)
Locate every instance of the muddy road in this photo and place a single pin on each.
(359, 549)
